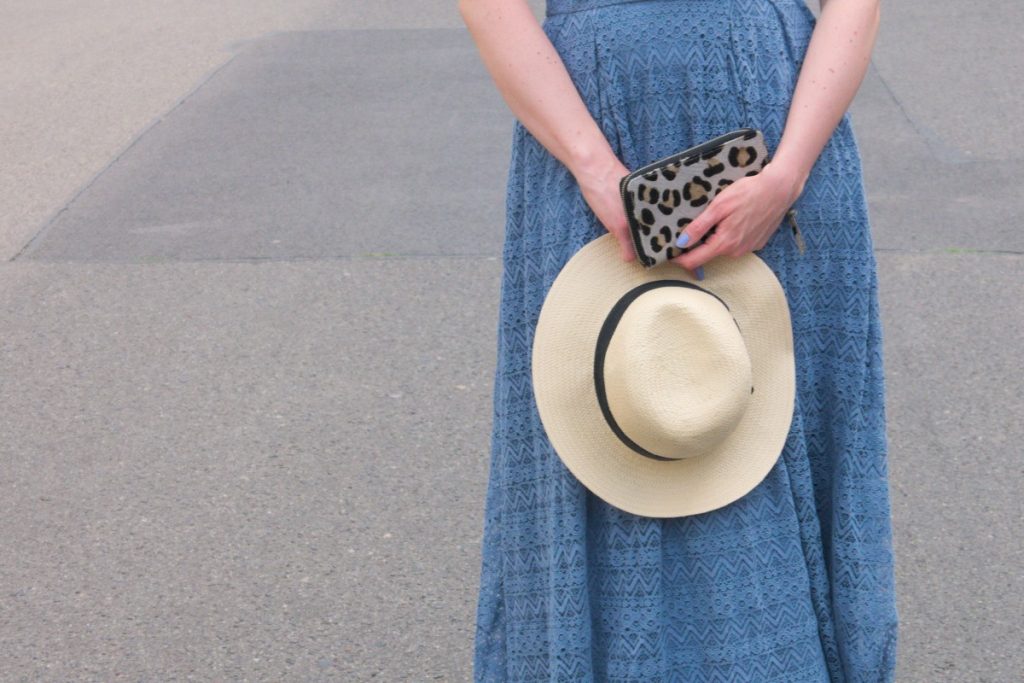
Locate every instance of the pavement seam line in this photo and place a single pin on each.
(931, 140)
(48, 222)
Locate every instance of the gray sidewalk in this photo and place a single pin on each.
(246, 398)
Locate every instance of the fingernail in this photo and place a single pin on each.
(683, 239)
(700, 272)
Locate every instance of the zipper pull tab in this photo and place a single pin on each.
(797, 237)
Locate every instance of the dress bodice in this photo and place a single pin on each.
(566, 6)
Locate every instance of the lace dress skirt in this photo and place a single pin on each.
(793, 581)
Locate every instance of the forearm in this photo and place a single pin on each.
(834, 66)
(533, 81)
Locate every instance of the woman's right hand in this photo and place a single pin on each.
(599, 183)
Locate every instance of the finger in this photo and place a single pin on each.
(697, 257)
(620, 231)
(626, 247)
(695, 230)
(692, 271)
(625, 244)
(696, 272)
(699, 226)
(703, 252)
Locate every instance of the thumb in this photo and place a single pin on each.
(623, 235)
(619, 228)
(626, 245)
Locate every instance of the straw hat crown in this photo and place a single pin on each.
(677, 372)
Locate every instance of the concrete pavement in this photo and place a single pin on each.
(248, 349)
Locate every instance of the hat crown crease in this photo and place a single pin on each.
(677, 372)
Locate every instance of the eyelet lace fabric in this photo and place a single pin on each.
(793, 581)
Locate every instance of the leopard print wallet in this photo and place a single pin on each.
(664, 196)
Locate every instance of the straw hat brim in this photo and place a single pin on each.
(564, 344)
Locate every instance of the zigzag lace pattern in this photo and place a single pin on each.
(792, 582)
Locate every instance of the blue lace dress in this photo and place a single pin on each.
(792, 582)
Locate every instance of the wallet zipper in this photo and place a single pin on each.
(797, 237)
(633, 229)
(693, 151)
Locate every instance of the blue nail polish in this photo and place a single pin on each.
(700, 272)
(683, 239)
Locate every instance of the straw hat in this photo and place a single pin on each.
(664, 395)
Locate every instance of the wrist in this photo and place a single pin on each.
(592, 158)
(790, 176)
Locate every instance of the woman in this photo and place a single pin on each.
(793, 581)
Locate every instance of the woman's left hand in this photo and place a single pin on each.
(746, 213)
